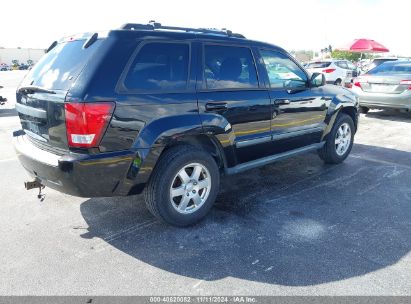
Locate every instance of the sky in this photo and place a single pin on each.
(291, 24)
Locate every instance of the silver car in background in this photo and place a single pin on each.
(386, 86)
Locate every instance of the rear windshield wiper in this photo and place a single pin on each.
(51, 46)
(34, 89)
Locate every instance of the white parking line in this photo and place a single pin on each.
(197, 284)
(380, 161)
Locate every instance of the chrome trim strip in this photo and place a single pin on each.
(297, 133)
(254, 141)
(30, 111)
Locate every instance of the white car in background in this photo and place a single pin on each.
(336, 71)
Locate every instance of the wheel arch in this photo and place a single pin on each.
(338, 80)
(204, 142)
(349, 109)
(148, 158)
(353, 113)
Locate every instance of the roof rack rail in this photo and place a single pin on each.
(152, 25)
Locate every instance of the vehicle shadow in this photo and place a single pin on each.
(393, 115)
(296, 223)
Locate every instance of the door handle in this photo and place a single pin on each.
(282, 102)
(216, 106)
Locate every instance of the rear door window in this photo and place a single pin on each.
(159, 66)
(229, 67)
(59, 68)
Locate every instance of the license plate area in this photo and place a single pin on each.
(32, 127)
(382, 88)
(35, 127)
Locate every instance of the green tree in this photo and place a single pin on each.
(346, 55)
(350, 55)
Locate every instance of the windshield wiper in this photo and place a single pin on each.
(34, 89)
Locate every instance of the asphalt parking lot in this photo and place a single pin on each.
(297, 227)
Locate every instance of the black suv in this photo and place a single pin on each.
(168, 110)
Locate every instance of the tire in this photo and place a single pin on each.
(364, 110)
(338, 82)
(330, 152)
(166, 176)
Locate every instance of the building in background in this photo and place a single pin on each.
(22, 55)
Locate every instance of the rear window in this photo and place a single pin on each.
(392, 68)
(377, 62)
(228, 67)
(318, 65)
(351, 66)
(382, 60)
(159, 66)
(342, 64)
(60, 67)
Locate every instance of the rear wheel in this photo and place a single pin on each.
(339, 141)
(183, 186)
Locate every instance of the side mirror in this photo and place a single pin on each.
(317, 80)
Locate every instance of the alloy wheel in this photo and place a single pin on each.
(343, 139)
(190, 188)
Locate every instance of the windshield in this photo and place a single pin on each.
(392, 68)
(60, 67)
(318, 65)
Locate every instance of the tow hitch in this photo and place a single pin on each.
(33, 185)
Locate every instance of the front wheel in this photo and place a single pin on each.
(183, 186)
(339, 141)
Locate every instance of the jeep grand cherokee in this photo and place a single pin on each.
(166, 110)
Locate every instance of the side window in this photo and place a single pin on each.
(228, 67)
(282, 71)
(159, 66)
(342, 64)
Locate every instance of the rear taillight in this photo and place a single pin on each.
(328, 71)
(86, 122)
(357, 84)
(406, 82)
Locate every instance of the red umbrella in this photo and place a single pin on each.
(365, 46)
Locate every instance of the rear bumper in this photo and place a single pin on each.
(84, 175)
(384, 105)
(381, 100)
